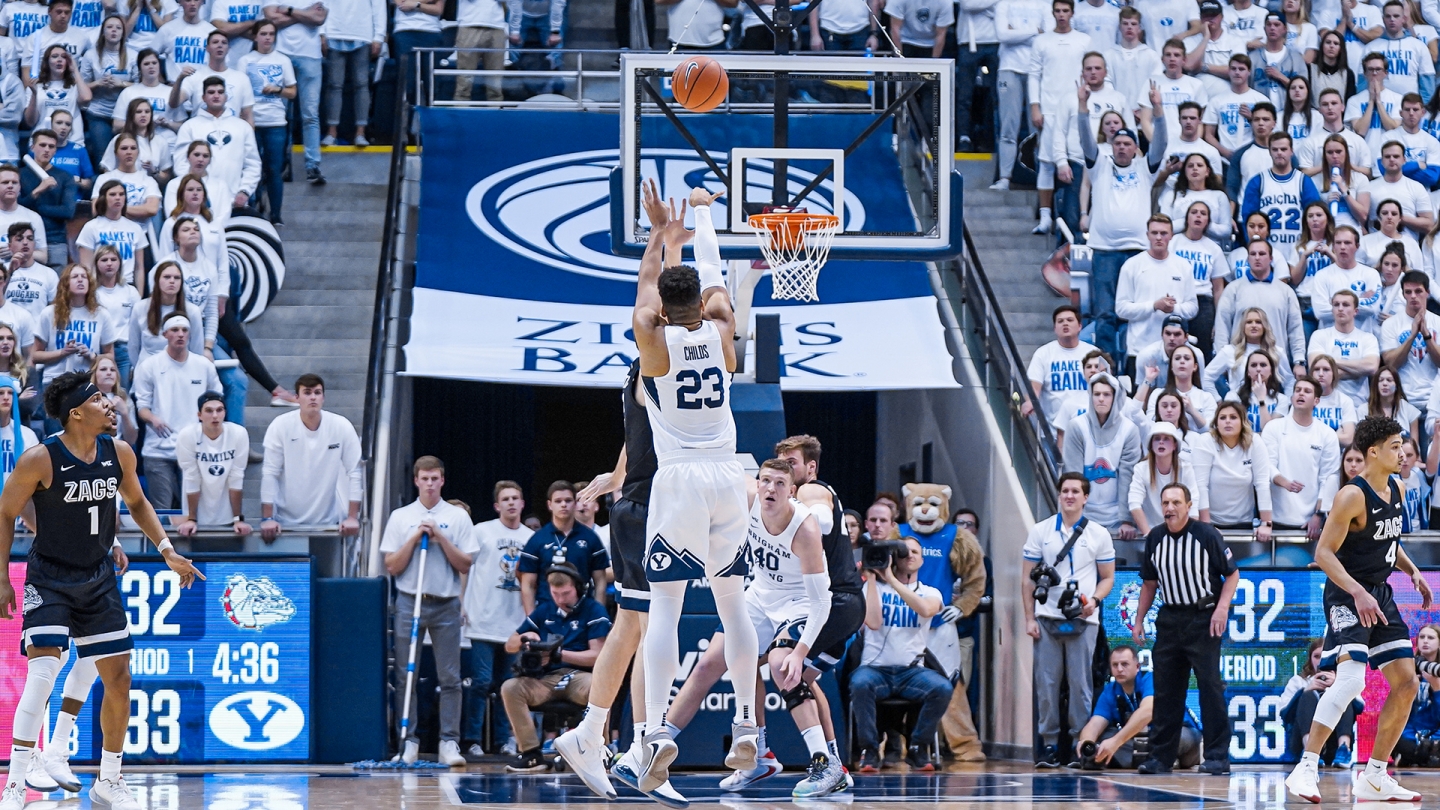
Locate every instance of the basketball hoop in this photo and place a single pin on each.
(796, 245)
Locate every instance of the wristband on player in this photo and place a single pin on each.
(164, 545)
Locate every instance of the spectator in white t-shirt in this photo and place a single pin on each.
(919, 26)
(77, 42)
(236, 20)
(1305, 456)
(187, 91)
(166, 296)
(1417, 213)
(272, 76)
(167, 387)
(695, 24)
(11, 212)
(111, 227)
(1055, 59)
(182, 40)
(1211, 51)
(1376, 109)
(354, 33)
(1056, 372)
(58, 86)
(1408, 343)
(1017, 24)
(212, 454)
(75, 329)
(1356, 352)
(19, 320)
(1152, 286)
(492, 608)
(1232, 467)
(1409, 66)
(299, 38)
(1346, 274)
(1227, 116)
(312, 467)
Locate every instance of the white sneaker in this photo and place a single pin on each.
(1046, 223)
(744, 747)
(328, 140)
(58, 767)
(410, 753)
(766, 767)
(277, 402)
(113, 793)
(361, 141)
(13, 797)
(450, 754)
(1003, 184)
(655, 758)
(586, 757)
(1303, 782)
(1371, 787)
(35, 776)
(627, 768)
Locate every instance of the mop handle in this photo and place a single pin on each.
(414, 635)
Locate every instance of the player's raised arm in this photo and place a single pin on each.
(647, 320)
(145, 517)
(714, 295)
(19, 488)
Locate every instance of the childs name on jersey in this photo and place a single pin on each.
(895, 613)
(98, 489)
(697, 353)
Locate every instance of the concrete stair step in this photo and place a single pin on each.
(353, 251)
(291, 297)
(317, 321)
(289, 365)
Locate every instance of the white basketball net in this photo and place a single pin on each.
(795, 245)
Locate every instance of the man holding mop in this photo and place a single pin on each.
(428, 546)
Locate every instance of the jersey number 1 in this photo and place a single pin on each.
(94, 520)
(691, 381)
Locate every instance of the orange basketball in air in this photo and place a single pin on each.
(700, 84)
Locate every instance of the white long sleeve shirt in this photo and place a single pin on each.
(1054, 66)
(1233, 480)
(1017, 24)
(170, 390)
(235, 159)
(213, 468)
(441, 580)
(1309, 455)
(1146, 496)
(311, 476)
(974, 22)
(1143, 280)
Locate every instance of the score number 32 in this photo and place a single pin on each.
(1245, 625)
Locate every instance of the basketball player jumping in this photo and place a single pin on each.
(1358, 548)
(685, 327)
(70, 591)
(583, 747)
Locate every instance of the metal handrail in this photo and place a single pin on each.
(386, 277)
(998, 352)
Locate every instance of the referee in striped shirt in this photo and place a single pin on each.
(1188, 562)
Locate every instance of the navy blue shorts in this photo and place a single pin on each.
(64, 604)
(1377, 644)
(627, 554)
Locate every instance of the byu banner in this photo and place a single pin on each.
(515, 282)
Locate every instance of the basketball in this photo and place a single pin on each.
(700, 84)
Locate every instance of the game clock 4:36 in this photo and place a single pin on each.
(220, 672)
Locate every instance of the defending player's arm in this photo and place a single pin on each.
(604, 483)
(811, 554)
(30, 471)
(714, 296)
(647, 321)
(144, 515)
(1349, 507)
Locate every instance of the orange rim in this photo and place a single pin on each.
(787, 229)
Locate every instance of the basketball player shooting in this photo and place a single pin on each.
(70, 590)
(685, 328)
(1358, 548)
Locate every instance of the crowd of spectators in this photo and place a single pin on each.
(498, 596)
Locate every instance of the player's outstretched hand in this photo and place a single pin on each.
(1427, 596)
(7, 599)
(700, 196)
(655, 207)
(182, 566)
(599, 485)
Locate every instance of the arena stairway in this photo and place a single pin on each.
(999, 223)
(320, 320)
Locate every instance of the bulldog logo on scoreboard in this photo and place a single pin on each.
(255, 604)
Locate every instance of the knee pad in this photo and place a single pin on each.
(800, 694)
(81, 678)
(1349, 683)
(30, 711)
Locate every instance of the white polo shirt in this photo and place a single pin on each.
(1045, 541)
(440, 579)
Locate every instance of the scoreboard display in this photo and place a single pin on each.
(1273, 618)
(220, 671)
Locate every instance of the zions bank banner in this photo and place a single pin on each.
(515, 281)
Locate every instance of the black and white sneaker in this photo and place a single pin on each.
(532, 761)
(1049, 758)
(314, 177)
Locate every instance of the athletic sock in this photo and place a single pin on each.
(1310, 759)
(673, 729)
(661, 650)
(762, 745)
(742, 648)
(834, 749)
(109, 764)
(593, 723)
(639, 732)
(60, 735)
(815, 739)
(1375, 767)
(1045, 214)
(19, 764)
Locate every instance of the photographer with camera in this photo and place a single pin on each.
(556, 645)
(898, 609)
(1118, 734)
(1189, 565)
(1069, 567)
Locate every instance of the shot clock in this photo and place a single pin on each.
(220, 672)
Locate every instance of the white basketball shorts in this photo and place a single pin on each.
(696, 524)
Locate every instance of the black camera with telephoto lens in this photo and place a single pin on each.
(534, 657)
(883, 554)
(1045, 577)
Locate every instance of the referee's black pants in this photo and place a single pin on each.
(1183, 644)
